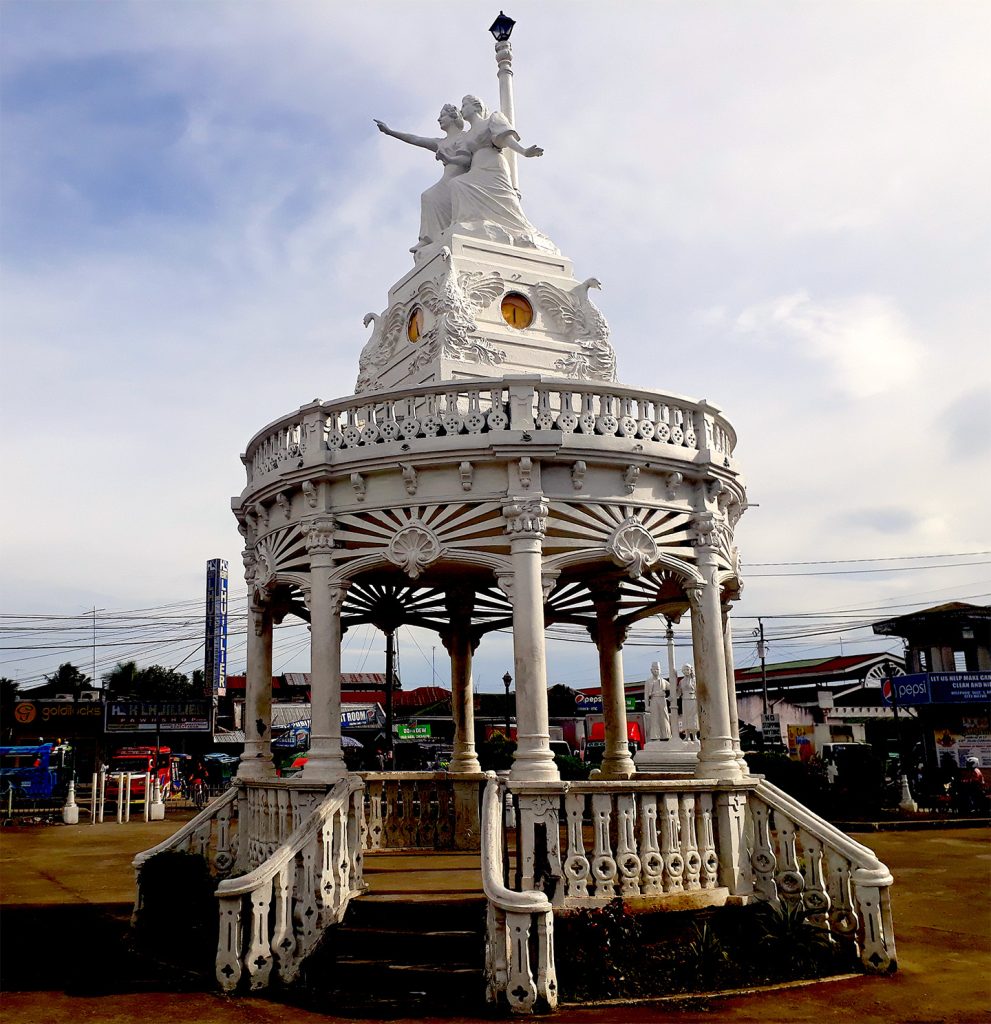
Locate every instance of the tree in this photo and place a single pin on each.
(67, 679)
(120, 680)
(8, 697)
(159, 683)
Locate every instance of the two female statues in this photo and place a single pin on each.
(475, 194)
(656, 691)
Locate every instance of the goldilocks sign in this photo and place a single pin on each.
(50, 717)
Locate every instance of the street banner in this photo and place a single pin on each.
(937, 688)
(215, 653)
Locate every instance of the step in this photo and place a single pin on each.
(451, 945)
(416, 913)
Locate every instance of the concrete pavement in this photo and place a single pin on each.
(941, 911)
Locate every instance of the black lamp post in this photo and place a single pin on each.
(507, 681)
(502, 28)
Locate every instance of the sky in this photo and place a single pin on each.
(787, 205)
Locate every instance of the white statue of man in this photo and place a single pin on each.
(656, 697)
(689, 703)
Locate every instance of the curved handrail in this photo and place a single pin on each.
(864, 859)
(530, 901)
(190, 828)
(339, 406)
(244, 884)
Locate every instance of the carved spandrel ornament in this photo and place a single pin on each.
(387, 331)
(632, 547)
(526, 516)
(413, 548)
(454, 301)
(576, 316)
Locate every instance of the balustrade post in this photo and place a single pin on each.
(525, 523)
(326, 759)
(521, 395)
(608, 636)
(717, 758)
(735, 871)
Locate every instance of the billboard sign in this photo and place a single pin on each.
(215, 656)
(357, 717)
(938, 688)
(591, 702)
(414, 732)
(166, 715)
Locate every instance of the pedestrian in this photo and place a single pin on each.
(971, 787)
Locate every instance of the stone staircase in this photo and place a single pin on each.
(400, 955)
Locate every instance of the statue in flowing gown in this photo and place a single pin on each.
(435, 202)
(484, 200)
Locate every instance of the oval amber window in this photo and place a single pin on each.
(414, 326)
(517, 311)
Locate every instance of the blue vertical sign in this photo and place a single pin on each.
(215, 659)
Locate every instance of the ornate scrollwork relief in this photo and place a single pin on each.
(574, 314)
(578, 471)
(673, 482)
(282, 500)
(310, 493)
(261, 514)
(413, 548)
(525, 469)
(467, 473)
(526, 516)
(358, 483)
(630, 476)
(632, 547)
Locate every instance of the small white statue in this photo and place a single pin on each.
(689, 703)
(656, 697)
(435, 203)
(484, 201)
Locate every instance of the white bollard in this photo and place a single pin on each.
(158, 806)
(120, 797)
(907, 803)
(92, 802)
(103, 794)
(147, 794)
(70, 812)
(127, 799)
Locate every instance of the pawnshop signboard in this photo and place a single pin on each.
(166, 715)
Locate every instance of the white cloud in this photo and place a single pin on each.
(865, 341)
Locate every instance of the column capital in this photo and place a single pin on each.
(526, 516)
(319, 535)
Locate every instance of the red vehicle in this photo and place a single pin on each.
(139, 761)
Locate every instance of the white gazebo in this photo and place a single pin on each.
(491, 471)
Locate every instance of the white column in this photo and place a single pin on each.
(717, 758)
(533, 761)
(256, 761)
(609, 635)
(734, 714)
(460, 645)
(325, 761)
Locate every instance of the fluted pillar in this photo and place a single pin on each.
(609, 636)
(325, 761)
(461, 645)
(717, 757)
(256, 761)
(525, 522)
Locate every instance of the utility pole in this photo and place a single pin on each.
(390, 657)
(762, 651)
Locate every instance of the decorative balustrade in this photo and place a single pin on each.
(798, 859)
(519, 931)
(648, 839)
(451, 408)
(212, 834)
(421, 810)
(273, 917)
